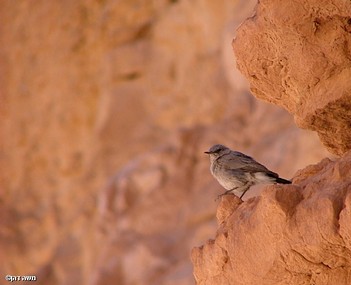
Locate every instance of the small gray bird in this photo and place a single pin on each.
(237, 172)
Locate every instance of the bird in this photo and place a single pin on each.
(237, 172)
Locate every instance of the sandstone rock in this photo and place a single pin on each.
(296, 55)
(295, 234)
(106, 109)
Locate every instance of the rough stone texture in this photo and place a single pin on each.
(295, 234)
(296, 54)
(106, 109)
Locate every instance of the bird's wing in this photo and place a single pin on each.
(244, 163)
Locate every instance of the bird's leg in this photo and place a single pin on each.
(225, 193)
(242, 195)
(247, 188)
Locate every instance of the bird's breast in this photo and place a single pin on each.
(224, 178)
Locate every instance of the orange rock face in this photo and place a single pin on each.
(295, 234)
(296, 54)
(106, 109)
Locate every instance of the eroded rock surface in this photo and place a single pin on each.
(295, 234)
(106, 109)
(296, 54)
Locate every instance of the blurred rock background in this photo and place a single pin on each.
(106, 109)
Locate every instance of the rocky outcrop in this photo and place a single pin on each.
(295, 234)
(296, 54)
(106, 108)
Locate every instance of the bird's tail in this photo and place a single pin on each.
(282, 181)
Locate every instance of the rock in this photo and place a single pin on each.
(294, 234)
(296, 55)
(106, 109)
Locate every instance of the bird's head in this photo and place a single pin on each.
(217, 150)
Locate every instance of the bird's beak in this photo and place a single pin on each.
(207, 152)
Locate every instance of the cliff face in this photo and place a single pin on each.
(295, 234)
(297, 55)
(106, 109)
